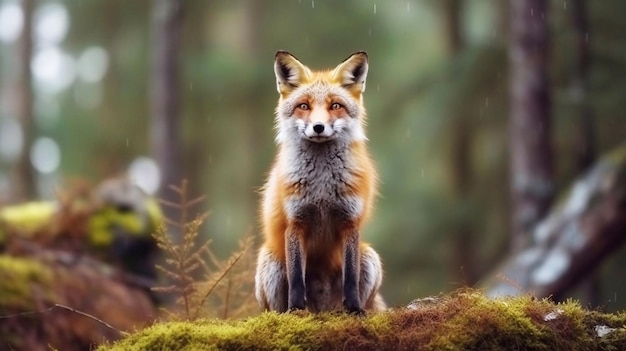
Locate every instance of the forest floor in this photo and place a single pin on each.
(465, 320)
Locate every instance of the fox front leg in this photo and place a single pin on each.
(295, 268)
(351, 273)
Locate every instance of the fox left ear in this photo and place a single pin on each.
(290, 73)
(352, 72)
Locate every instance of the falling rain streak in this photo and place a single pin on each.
(233, 104)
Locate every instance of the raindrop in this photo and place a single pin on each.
(144, 172)
(53, 69)
(52, 23)
(312, 4)
(564, 5)
(374, 8)
(190, 86)
(11, 22)
(45, 155)
(487, 102)
(408, 7)
(92, 64)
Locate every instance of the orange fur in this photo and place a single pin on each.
(320, 191)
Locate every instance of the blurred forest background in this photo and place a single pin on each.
(92, 89)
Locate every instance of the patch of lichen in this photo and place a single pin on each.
(466, 320)
(23, 280)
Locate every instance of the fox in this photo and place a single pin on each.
(319, 193)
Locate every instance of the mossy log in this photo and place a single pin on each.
(69, 267)
(466, 320)
(59, 300)
(586, 226)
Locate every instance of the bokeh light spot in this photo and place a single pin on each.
(144, 171)
(45, 155)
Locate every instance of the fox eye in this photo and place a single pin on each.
(335, 106)
(303, 106)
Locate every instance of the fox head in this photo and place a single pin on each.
(320, 106)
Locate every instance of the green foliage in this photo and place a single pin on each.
(466, 320)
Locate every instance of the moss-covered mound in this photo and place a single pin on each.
(463, 321)
(34, 287)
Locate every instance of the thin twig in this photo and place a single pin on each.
(227, 298)
(57, 305)
(231, 264)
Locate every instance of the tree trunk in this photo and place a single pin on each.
(24, 175)
(165, 95)
(459, 153)
(502, 26)
(574, 239)
(530, 121)
(584, 142)
(452, 26)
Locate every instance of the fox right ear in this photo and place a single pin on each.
(289, 72)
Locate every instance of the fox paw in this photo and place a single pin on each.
(355, 310)
(297, 311)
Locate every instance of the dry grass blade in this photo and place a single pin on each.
(214, 282)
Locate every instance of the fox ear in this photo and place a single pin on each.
(289, 72)
(352, 72)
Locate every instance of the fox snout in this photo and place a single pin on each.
(318, 132)
(321, 121)
(318, 128)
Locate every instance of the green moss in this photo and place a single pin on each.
(268, 331)
(20, 277)
(463, 321)
(27, 217)
(617, 156)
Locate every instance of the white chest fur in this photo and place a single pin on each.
(323, 174)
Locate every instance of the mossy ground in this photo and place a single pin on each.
(18, 275)
(465, 320)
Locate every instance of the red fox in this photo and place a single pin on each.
(319, 193)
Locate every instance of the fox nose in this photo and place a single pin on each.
(318, 128)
